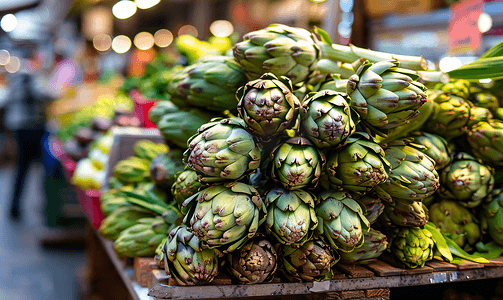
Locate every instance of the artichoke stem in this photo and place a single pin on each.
(433, 77)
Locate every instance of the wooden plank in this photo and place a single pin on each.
(468, 265)
(377, 293)
(354, 271)
(338, 275)
(441, 266)
(383, 269)
(141, 269)
(422, 270)
(221, 279)
(496, 262)
(158, 276)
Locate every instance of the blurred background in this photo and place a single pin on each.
(63, 63)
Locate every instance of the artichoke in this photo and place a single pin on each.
(434, 146)
(290, 215)
(159, 254)
(297, 164)
(454, 219)
(186, 260)
(186, 185)
(385, 96)
(225, 216)
(450, 115)
(164, 167)
(373, 206)
(460, 88)
(486, 100)
(278, 49)
(341, 220)
(312, 261)
(326, 119)
(148, 150)
(358, 166)
(478, 114)
(121, 219)
(178, 126)
(373, 246)
(160, 109)
(492, 216)
(404, 212)
(411, 247)
(412, 176)
(222, 150)
(211, 83)
(143, 238)
(486, 140)
(268, 106)
(466, 180)
(132, 170)
(255, 262)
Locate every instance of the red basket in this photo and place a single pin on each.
(142, 107)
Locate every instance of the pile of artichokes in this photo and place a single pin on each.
(353, 169)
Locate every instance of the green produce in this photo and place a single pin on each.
(478, 114)
(358, 166)
(186, 260)
(297, 164)
(412, 176)
(164, 167)
(185, 185)
(373, 206)
(312, 261)
(159, 253)
(278, 49)
(404, 212)
(222, 150)
(226, 215)
(460, 88)
(454, 219)
(450, 116)
(160, 109)
(373, 246)
(411, 247)
(326, 119)
(112, 203)
(268, 106)
(466, 180)
(492, 216)
(211, 83)
(486, 100)
(385, 96)
(290, 215)
(142, 238)
(121, 219)
(486, 141)
(178, 126)
(341, 220)
(148, 150)
(132, 170)
(255, 262)
(434, 146)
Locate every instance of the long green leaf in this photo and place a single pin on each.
(457, 251)
(490, 250)
(482, 68)
(440, 241)
(494, 51)
(146, 202)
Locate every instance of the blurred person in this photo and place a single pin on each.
(24, 118)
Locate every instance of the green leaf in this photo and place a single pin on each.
(490, 250)
(325, 37)
(494, 51)
(440, 242)
(145, 202)
(457, 251)
(482, 68)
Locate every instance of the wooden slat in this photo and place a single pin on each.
(383, 269)
(222, 279)
(377, 293)
(338, 275)
(467, 265)
(441, 266)
(496, 262)
(158, 276)
(354, 271)
(422, 270)
(142, 270)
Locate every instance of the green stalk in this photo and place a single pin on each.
(482, 68)
(433, 77)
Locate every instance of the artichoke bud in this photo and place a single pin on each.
(326, 119)
(291, 218)
(466, 180)
(433, 146)
(254, 262)
(460, 88)
(492, 215)
(486, 141)
(373, 246)
(312, 261)
(268, 106)
(341, 220)
(404, 212)
(411, 247)
(373, 206)
(296, 164)
(222, 150)
(358, 166)
(185, 185)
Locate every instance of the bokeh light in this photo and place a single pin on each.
(4, 57)
(121, 44)
(13, 65)
(124, 9)
(448, 63)
(188, 29)
(485, 22)
(8, 22)
(221, 28)
(145, 4)
(102, 42)
(144, 40)
(163, 38)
